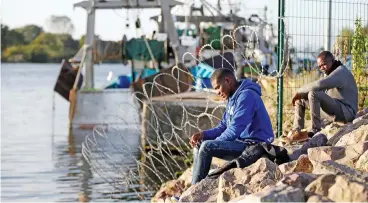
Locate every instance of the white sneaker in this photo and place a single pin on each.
(175, 198)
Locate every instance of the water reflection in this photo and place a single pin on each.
(77, 171)
(84, 195)
(108, 171)
(75, 143)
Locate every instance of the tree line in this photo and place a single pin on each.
(35, 44)
(31, 43)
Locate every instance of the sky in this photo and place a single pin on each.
(306, 26)
(110, 24)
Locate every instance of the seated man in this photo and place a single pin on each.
(244, 122)
(336, 95)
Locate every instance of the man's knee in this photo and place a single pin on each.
(300, 102)
(312, 95)
(207, 146)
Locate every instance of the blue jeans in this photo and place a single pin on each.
(203, 154)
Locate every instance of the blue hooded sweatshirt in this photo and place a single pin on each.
(245, 118)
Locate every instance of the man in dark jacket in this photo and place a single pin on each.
(244, 122)
(336, 95)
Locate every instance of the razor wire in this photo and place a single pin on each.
(164, 147)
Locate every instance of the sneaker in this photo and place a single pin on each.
(175, 199)
(298, 136)
(313, 132)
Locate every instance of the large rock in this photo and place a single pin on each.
(346, 190)
(177, 187)
(174, 187)
(160, 200)
(360, 118)
(320, 186)
(362, 163)
(187, 176)
(346, 130)
(318, 198)
(204, 191)
(338, 188)
(298, 180)
(365, 116)
(331, 167)
(254, 178)
(356, 136)
(279, 193)
(288, 167)
(347, 155)
(168, 190)
(362, 113)
(331, 129)
(303, 164)
(316, 141)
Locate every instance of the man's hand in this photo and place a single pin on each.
(196, 138)
(296, 97)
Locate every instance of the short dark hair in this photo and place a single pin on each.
(325, 55)
(221, 73)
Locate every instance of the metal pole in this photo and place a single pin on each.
(89, 81)
(280, 52)
(328, 28)
(161, 26)
(132, 70)
(171, 30)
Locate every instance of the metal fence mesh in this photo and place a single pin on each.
(312, 26)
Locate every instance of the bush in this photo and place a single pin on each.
(15, 54)
(38, 53)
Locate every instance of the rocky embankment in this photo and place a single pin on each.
(330, 167)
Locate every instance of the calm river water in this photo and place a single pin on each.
(37, 163)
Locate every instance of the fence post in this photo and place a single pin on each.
(280, 51)
(328, 28)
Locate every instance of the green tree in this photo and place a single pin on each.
(30, 32)
(15, 54)
(58, 46)
(70, 46)
(359, 49)
(31, 44)
(51, 42)
(37, 53)
(344, 41)
(10, 37)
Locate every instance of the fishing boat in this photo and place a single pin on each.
(170, 44)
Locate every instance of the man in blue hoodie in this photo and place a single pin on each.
(244, 122)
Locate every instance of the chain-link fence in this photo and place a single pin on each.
(311, 26)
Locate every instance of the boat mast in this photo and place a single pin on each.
(88, 65)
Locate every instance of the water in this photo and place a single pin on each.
(38, 162)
